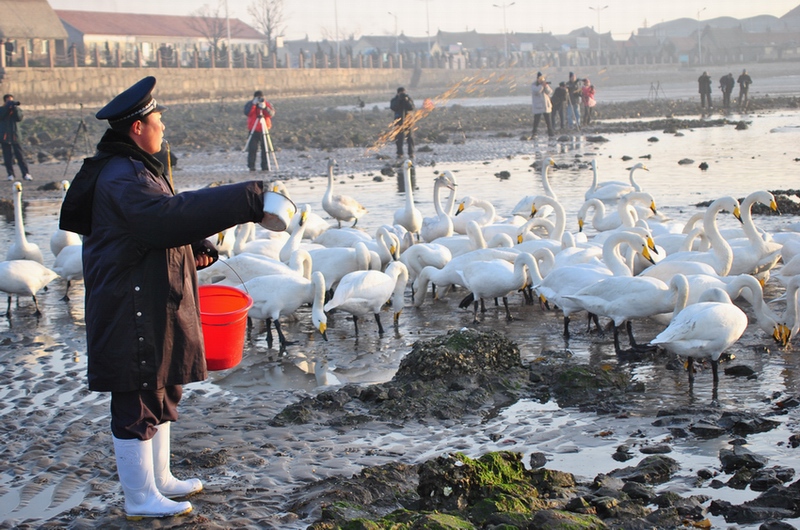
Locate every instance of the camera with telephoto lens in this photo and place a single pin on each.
(13, 103)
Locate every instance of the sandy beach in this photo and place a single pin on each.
(60, 470)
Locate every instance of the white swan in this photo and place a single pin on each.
(523, 207)
(704, 330)
(340, 207)
(422, 255)
(24, 277)
(63, 238)
(494, 279)
(625, 298)
(281, 295)
(554, 242)
(365, 292)
(717, 262)
(342, 237)
(448, 275)
(625, 215)
(756, 252)
(335, 263)
(462, 217)
(386, 244)
(461, 244)
(69, 265)
(409, 215)
(244, 267)
(441, 224)
(21, 248)
(563, 281)
(613, 189)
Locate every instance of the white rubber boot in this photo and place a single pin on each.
(135, 470)
(168, 485)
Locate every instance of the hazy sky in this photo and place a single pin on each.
(320, 18)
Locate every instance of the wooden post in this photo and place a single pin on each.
(119, 58)
(196, 59)
(139, 55)
(259, 60)
(96, 57)
(158, 58)
(51, 57)
(213, 53)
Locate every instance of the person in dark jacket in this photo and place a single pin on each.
(401, 104)
(726, 84)
(744, 81)
(704, 87)
(559, 101)
(10, 116)
(574, 89)
(142, 246)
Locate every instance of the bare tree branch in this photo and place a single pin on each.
(268, 18)
(211, 24)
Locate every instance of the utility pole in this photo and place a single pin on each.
(428, 23)
(699, 37)
(336, 22)
(505, 33)
(599, 41)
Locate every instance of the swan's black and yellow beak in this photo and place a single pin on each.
(773, 205)
(737, 213)
(323, 327)
(646, 254)
(580, 224)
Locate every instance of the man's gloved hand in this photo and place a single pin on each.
(204, 254)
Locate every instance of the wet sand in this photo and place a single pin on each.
(60, 466)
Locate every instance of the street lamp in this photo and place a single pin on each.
(599, 42)
(396, 37)
(228, 24)
(428, 23)
(505, 33)
(336, 23)
(699, 37)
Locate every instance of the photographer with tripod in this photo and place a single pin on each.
(10, 116)
(259, 121)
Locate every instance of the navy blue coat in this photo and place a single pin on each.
(142, 313)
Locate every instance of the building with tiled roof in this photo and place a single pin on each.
(101, 34)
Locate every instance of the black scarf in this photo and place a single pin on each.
(118, 143)
(76, 210)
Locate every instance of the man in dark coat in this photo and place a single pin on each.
(142, 247)
(10, 116)
(401, 104)
(704, 84)
(726, 84)
(744, 81)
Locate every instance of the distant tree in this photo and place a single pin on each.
(268, 18)
(212, 23)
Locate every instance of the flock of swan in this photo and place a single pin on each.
(640, 265)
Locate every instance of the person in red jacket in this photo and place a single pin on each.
(256, 109)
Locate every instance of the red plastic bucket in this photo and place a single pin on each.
(223, 314)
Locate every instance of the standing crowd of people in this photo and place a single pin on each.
(573, 98)
(726, 85)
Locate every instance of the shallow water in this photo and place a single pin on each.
(47, 413)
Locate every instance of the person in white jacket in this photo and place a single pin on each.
(540, 103)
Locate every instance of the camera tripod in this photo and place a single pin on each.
(80, 129)
(266, 139)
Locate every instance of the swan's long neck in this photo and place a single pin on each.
(525, 265)
(561, 217)
(19, 226)
(409, 189)
(633, 181)
(680, 284)
(329, 190)
(719, 246)
(749, 226)
(593, 188)
(546, 181)
(475, 235)
(300, 262)
(400, 273)
(612, 252)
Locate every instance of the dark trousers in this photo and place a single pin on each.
(135, 415)
(537, 118)
(705, 99)
(558, 113)
(409, 138)
(10, 151)
(256, 139)
(726, 99)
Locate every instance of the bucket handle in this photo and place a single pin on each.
(237, 275)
